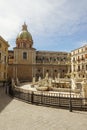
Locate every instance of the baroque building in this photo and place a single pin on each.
(3, 59)
(79, 62)
(25, 62)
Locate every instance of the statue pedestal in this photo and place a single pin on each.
(84, 92)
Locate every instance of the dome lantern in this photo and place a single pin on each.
(24, 38)
(24, 27)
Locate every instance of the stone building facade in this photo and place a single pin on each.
(3, 59)
(25, 62)
(55, 63)
(79, 62)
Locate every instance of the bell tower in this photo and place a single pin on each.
(24, 55)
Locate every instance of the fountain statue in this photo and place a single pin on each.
(39, 78)
(43, 84)
(84, 91)
(73, 84)
(17, 82)
(13, 83)
(33, 81)
(58, 75)
(46, 77)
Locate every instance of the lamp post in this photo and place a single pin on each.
(70, 101)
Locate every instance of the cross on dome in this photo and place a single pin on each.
(24, 27)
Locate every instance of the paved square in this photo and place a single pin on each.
(18, 115)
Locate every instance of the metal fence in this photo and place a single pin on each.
(57, 100)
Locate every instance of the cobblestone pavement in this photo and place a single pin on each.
(17, 115)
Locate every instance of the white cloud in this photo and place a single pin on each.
(43, 17)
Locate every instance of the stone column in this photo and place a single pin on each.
(16, 71)
(14, 75)
(43, 71)
(33, 80)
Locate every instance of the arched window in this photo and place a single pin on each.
(24, 55)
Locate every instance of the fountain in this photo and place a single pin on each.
(45, 84)
(56, 85)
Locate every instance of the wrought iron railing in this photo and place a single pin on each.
(59, 100)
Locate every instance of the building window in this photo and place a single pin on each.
(86, 56)
(5, 59)
(38, 70)
(0, 56)
(63, 71)
(73, 59)
(78, 68)
(0, 45)
(86, 67)
(24, 55)
(4, 75)
(5, 67)
(74, 68)
(5, 49)
(78, 58)
(82, 67)
(55, 70)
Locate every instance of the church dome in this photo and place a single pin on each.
(24, 37)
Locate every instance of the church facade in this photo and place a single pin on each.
(25, 62)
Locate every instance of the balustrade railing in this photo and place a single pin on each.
(61, 100)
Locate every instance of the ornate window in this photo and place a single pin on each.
(24, 55)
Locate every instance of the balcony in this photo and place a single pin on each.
(54, 63)
(82, 58)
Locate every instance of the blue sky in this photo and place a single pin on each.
(55, 25)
